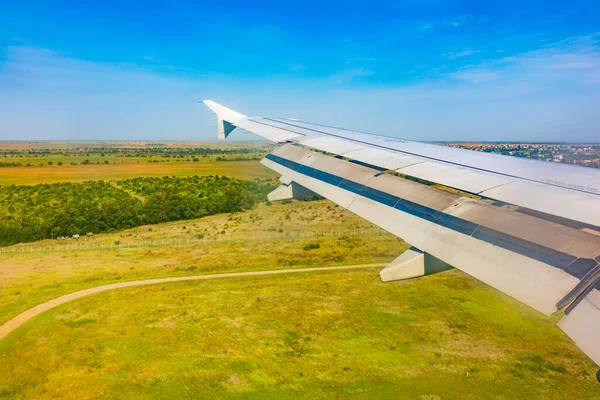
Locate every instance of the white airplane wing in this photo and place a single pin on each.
(543, 250)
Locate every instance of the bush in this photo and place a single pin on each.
(312, 246)
(63, 209)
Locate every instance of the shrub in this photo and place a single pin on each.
(96, 206)
(312, 246)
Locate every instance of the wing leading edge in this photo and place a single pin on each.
(565, 191)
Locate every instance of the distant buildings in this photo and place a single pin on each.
(581, 154)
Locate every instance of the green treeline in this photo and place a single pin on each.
(30, 213)
(150, 151)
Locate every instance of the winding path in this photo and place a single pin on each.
(20, 319)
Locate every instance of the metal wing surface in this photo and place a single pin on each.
(566, 191)
(546, 255)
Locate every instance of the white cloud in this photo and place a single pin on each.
(576, 60)
(475, 75)
(464, 53)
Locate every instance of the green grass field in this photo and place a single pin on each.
(327, 335)
(308, 335)
(320, 335)
(27, 279)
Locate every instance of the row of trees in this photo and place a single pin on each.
(134, 152)
(30, 213)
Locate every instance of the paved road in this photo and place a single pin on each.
(20, 319)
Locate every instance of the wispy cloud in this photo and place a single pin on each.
(576, 60)
(545, 94)
(349, 74)
(425, 25)
(476, 75)
(152, 58)
(458, 20)
(464, 53)
(47, 95)
(451, 22)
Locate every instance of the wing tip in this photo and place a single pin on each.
(223, 112)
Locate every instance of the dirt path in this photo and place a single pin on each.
(20, 319)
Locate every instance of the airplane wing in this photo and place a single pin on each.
(529, 228)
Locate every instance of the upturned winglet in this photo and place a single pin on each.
(226, 118)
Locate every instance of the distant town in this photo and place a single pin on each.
(580, 154)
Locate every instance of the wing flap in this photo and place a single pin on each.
(582, 325)
(566, 203)
(332, 145)
(458, 177)
(383, 158)
(527, 279)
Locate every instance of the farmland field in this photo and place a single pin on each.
(71, 145)
(80, 173)
(23, 163)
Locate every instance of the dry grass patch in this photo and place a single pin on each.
(79, 173)
(28, 279)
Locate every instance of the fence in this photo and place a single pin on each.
(124, 243)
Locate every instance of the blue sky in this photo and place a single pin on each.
(422, 70)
